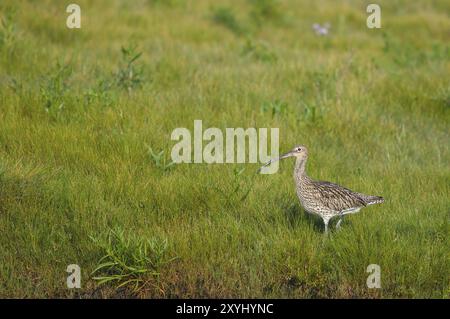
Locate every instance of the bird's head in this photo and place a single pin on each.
(300, 152)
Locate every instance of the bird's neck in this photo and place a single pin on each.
(300, 168)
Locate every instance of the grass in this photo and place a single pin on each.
(75, 163)
(127, 261)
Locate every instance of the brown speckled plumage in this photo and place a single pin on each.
(324, 198)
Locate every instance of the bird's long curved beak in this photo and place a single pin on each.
(288, 154)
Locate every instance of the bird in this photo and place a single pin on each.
(323, 198)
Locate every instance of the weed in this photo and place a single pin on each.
(101, 93)
(54, 87)
(160, 160)
(276, 107)
(130, 75)
(225, 16)
(15, 85)
(265, 10)
(259, 51)
(128, 260)
(311, 112)
(238, 189)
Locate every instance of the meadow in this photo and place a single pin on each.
(85, 122)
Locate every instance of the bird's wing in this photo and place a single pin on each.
(338, 198)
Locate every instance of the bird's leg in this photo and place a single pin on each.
(325, 221)
(341, 217)
(338, 225)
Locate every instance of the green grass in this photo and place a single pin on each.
(129, 260)
(76, 133)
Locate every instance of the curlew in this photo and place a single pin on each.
(325, 199)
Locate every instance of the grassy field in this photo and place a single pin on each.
(81, 113)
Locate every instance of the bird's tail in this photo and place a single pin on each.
(370, 200)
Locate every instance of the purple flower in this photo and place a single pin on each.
(321, 30)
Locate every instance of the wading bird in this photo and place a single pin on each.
(325, 199)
